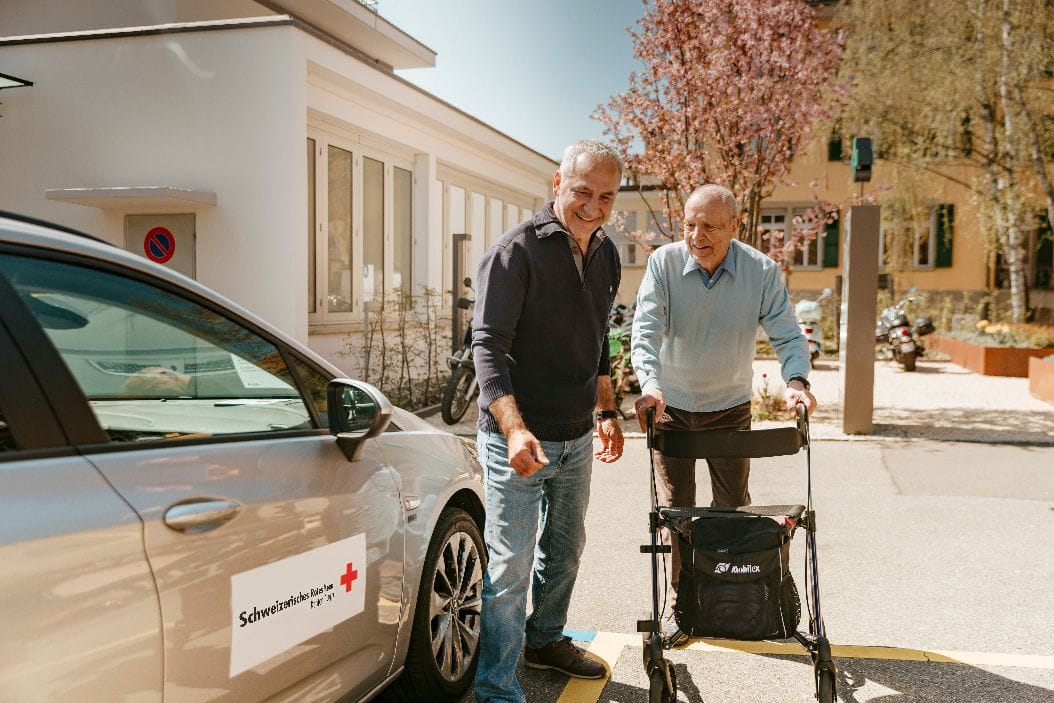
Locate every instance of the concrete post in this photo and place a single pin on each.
(856, 348)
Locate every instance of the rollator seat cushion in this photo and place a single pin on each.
(735, 579)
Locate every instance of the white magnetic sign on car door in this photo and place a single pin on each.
(279, 605)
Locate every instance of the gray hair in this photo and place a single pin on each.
(596, 150)
(712, 191)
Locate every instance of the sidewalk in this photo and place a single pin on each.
(939, 401)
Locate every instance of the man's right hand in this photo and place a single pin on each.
(525, 452)
(652, 399)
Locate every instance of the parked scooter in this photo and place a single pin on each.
(809, 314)
(462, 386)
(623, 378)
(902, 341)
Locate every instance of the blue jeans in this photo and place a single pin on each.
(556, 498)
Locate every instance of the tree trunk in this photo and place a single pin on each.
(1013, 244)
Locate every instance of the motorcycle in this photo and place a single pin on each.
(809, 314)
(902, 341)
(462, 386)
(623, 377)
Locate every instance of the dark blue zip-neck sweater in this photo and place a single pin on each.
(540, 329)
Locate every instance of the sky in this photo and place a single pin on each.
(533, 69)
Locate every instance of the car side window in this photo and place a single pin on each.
(155, 365)
(7, 440)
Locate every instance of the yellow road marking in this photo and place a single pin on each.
(1030, 661)
(607, 647)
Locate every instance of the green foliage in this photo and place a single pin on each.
(1021, 336)
(768, 403)
(403, 347)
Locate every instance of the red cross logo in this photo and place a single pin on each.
(348, 578)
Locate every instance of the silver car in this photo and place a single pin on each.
(198, 508)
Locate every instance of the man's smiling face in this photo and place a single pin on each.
(708, 230)
(584, 199)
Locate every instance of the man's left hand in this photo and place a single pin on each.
(796, 393)
(611, 441)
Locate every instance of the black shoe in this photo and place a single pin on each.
(672, 635)
(564, 656)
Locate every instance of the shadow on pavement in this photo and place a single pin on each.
(924, 682)
(965, 425)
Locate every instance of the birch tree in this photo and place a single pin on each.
(957, 89)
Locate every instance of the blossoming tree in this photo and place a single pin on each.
(728, 93)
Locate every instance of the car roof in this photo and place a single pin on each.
(38, 234)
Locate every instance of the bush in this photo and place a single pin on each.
(403, 348)
(769, 404)
(1020, 335)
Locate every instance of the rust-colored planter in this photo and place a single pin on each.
(1041, 379)
(990, 361)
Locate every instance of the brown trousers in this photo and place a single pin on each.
(675, 478)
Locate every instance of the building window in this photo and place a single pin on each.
(338, 235)
(402, 229)
(808, 254)
(362, 249)
(780, 224)
(917, 243)
(311, 226)
(629, 252)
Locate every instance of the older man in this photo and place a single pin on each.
(541, 355)
(698, 310)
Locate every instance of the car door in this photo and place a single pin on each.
(268, 545)
(78, 607)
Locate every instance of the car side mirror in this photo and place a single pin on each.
(357, 411)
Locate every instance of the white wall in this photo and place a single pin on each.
(209, 111)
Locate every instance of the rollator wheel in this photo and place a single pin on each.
(658, 689)
(825, 687)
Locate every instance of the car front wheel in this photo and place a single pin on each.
(444, 644)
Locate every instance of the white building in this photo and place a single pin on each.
(265, 148)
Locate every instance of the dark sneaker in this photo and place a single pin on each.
(562, 655)
(672, 635)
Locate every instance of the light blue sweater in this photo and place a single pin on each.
(696, 343)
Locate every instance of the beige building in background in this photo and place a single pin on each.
(942, 260)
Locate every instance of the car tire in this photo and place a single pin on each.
(444, 640)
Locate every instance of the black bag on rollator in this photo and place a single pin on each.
(735, 580)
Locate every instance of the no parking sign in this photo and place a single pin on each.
(164, 238)
(159, 245)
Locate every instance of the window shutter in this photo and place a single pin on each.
(834, 148)
(830, 245)
(945, 230)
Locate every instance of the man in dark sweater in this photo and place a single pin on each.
(540, 349)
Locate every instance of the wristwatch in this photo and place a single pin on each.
(804, 381)
(605, 415)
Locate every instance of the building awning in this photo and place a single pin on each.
(7, 81)
(135, 198)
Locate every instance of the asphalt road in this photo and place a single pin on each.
(936, 553)
(933, 549)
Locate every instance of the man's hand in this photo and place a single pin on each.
(652, 399)
(525, 452)
(610, 434)
(796, 393)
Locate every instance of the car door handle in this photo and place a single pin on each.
(200, 515)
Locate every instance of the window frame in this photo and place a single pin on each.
(324, 138)
(816, 247)
(914, 265)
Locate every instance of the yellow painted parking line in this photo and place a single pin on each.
(607, 647)
(1029, 661)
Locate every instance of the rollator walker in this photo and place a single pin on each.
(734, 580)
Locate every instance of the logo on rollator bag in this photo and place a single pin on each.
(726, 568)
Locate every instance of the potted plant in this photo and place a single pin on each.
(996, 349)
